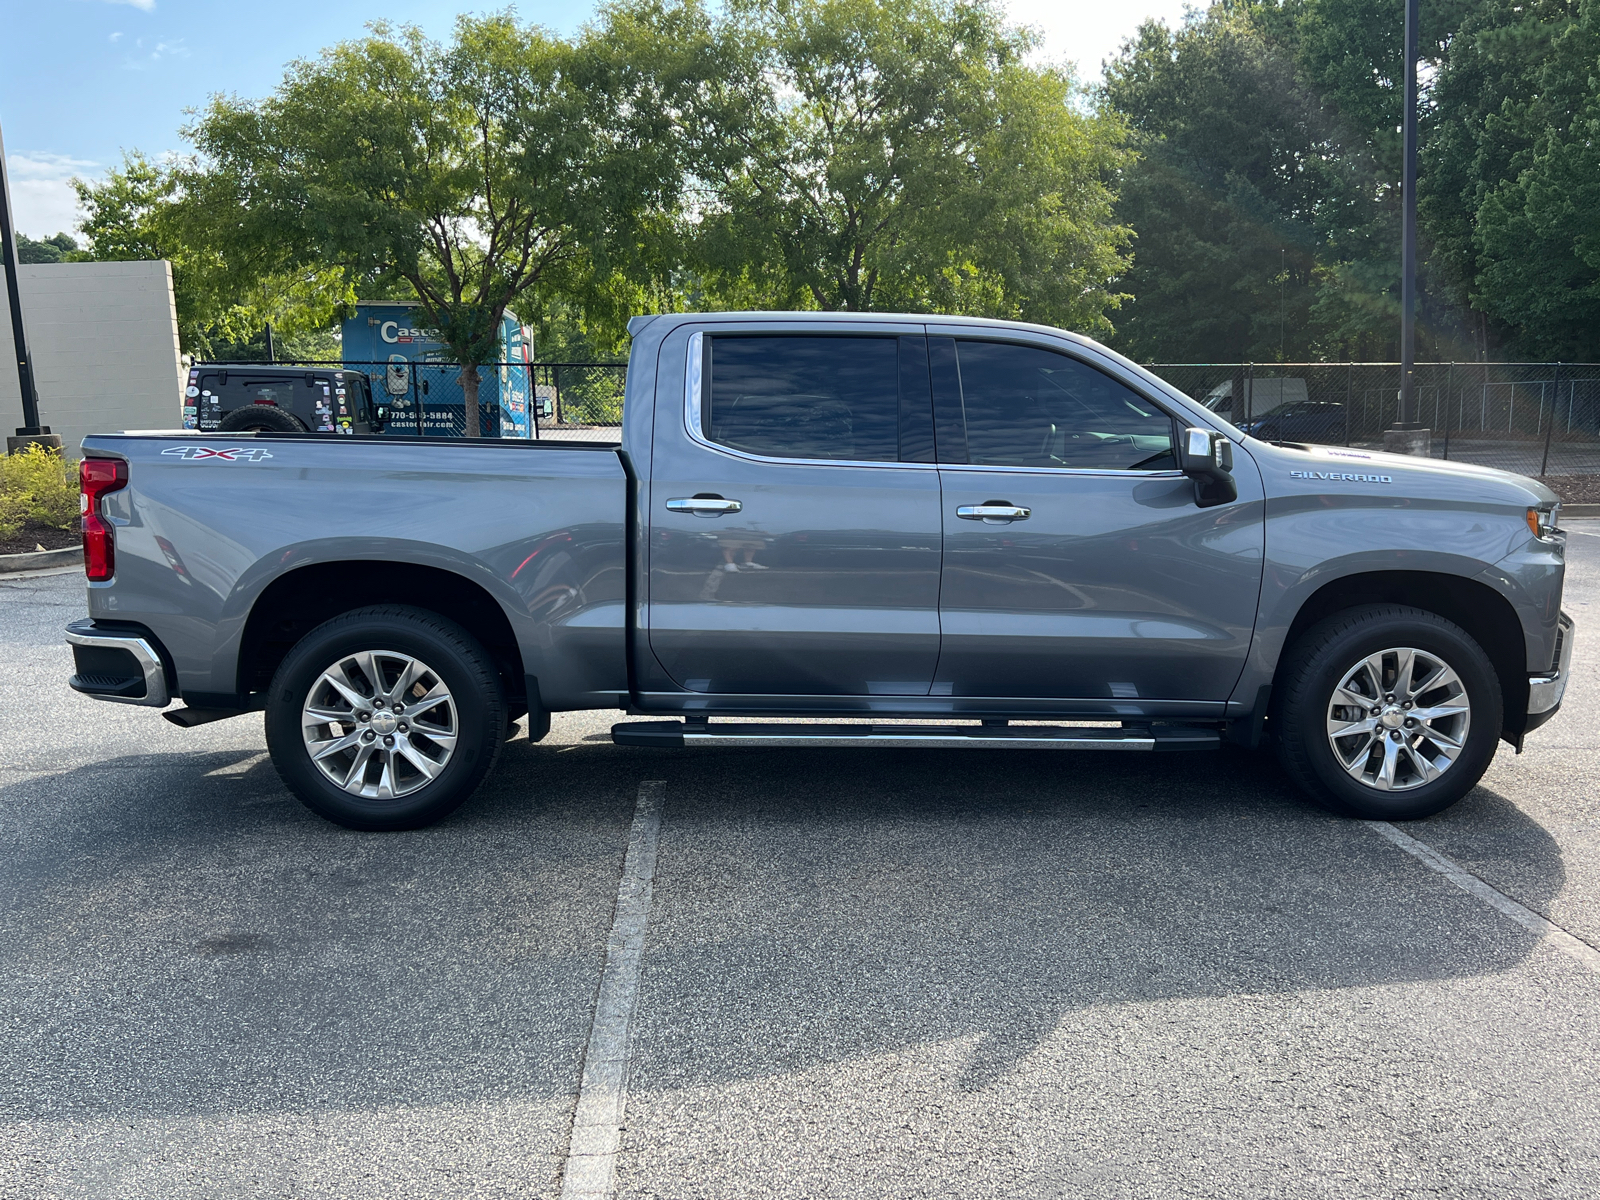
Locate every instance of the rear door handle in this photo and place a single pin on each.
(993, 512)
(704, 506)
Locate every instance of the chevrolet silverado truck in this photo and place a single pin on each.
(909, 531)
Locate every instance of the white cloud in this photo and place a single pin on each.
(116, 37)
(149, 51)
(42, 201)
(141, 5)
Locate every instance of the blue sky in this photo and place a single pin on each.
(83, 80)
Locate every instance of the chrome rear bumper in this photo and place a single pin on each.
(142, 680)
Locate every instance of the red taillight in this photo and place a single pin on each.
(96, 477)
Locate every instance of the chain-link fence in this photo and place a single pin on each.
(1540, 419)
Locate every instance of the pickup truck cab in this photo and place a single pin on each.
(909, 530)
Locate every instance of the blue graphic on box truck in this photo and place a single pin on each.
(412, 374)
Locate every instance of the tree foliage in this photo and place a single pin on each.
(63, 247)
(1230, 192)
(900, 154)
(474, 172)
(1515, 166)
(1267, 192)
(1224, 197)
(143, 210)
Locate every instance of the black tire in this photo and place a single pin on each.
(459, 663)
(1314, 668)
(261, 418)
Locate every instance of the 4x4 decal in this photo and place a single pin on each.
(233, 454)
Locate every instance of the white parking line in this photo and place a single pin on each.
(591, 1166)
(1552, 933)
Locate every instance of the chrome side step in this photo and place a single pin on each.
(677, 734)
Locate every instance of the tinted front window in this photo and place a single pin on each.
(804, 397)
(1027, 407)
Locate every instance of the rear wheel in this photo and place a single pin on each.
(385, 718)
(1388, 713)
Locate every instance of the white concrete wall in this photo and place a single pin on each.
(104, 337)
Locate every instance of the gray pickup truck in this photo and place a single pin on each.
(911, 531)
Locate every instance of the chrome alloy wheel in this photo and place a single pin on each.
(1398, 719)
(379, 724)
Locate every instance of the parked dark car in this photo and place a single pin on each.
(1307, 421)
(247, 397)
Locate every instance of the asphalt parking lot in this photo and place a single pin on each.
(865, 973)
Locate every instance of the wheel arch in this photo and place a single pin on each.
(1487, 617)
(298, 601)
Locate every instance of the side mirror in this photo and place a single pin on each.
(1207, 458)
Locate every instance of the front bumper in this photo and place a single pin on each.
(121, 666)
(1545, 691)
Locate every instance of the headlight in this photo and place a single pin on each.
(1542, 520)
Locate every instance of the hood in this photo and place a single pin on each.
(1291, 466)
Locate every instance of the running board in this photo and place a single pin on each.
(677, 734)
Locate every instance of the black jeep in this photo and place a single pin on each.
(244, 397)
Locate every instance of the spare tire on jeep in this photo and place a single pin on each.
(261, 418)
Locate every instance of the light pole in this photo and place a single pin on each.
(31, 430)
(1406, 435)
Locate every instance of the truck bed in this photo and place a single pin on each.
(208, 523)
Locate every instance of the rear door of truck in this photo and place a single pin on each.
(794, 512)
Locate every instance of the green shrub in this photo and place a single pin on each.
(40, 485)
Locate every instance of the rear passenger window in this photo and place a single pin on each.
(1027, 407)
(804, 397)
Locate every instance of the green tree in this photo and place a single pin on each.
(143, 211)
(1514, 172)
(1225, 195)
(474, 172)
(898, 154)
(1352, 56)
(60, 248)
(1267, 201)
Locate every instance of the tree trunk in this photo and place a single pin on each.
(470, 379)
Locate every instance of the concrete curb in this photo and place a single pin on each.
(35, 560)
(1580, 510)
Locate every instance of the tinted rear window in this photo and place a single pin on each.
(240, 388)
(804, 397)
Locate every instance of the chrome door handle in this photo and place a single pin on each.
(704, 506)
(993, 512)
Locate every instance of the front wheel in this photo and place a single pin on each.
(1388, 713)
(385, 718)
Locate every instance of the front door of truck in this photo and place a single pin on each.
(794, 529)
(1077, 564)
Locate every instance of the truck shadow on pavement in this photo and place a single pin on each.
(815, 906)
(186, 942)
